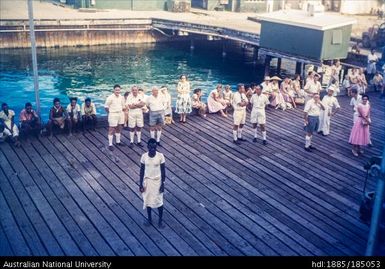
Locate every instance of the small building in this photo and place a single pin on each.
(297, 33)
(258, 6)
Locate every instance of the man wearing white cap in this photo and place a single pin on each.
(329, 102)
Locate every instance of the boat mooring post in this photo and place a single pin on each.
(34, 56)
(377, 210)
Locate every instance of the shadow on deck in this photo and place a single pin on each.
(71, 196)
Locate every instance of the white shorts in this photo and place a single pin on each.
(239, 117)
(135, 120)
(115, 118)
(258, 116)
(15, 130)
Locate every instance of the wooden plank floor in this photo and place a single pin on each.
(71, 196)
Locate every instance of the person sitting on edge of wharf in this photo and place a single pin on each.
(56, 116)
(198, 104)
(135, 104)
(88, 113)
(125, 124)
(167, 103)
(259, 102)
(228, 97)
(239, 104)
(379, 83)
(183, 104)
(329, 101)
(266, 86)
(29, 121)
(73, 115)
(152, 178)
(156, 120)
(215, 103)
(312, 111)
(115, 108)
(7, 116)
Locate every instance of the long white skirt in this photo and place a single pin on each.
(151, 195)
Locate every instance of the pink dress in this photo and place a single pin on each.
(360, 134)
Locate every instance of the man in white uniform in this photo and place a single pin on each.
(312, 111)
(258, 116)
(155, 104)
(135, 104)
(115, 106)
(239, 104)
(329, 102)
(371, 69)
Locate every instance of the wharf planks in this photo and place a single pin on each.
(71, 196)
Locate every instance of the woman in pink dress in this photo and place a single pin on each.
(360, 135)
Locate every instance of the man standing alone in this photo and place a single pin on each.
(312, 111)
(115, 106)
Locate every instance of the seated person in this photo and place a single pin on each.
(56, 116)
(346, 85)
(7, 117)
(198, 104)
(73, 114)
(88, 113)
(228, 96)
(29, 121)
(378, 83)
(215, 102)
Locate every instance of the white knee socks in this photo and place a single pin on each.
(159, 133)
(117, 135)
(307, 141)
(110, 139)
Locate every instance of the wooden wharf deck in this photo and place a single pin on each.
(71, 196)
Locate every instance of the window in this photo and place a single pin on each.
(337, 37)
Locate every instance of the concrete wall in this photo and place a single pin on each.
(78, 38)
(120, 4)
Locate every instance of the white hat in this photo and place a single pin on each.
(267, 78)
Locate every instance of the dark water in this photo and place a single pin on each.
(92, 71)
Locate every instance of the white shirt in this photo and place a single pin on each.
(152, 165)
(313, 86)
(75, 111)
(92, 108)
(228, 96)
(259, 101)
(354, 102)
(329, 102)
(115, 103)
(372, 57)
(266, 88)
(312, 109)
(237, 98)
(134, 100)
(155, 103)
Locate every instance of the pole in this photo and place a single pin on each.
(377, 210)
(34, 57)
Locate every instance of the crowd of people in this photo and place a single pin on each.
(127, 111)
